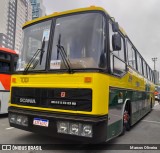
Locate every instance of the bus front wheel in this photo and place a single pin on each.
(126, 121)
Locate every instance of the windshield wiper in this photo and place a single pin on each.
(61, 50)
(28, 66)
(42, 50)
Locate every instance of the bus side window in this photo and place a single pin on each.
(144, 69)
(139, 63)
(118, 65)
(148, 76)
(131, 56)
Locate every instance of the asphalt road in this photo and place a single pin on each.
(147, 131)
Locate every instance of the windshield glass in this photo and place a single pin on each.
(83, 38)
(33, 39)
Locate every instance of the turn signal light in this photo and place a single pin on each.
(13, 80)
(87, 79)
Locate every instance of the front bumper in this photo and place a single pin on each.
(99, 124)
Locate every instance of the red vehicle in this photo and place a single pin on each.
(157, 93)
(8, 61)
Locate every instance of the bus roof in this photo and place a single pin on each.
(91, 8)
(7, 50)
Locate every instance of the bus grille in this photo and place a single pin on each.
(57, 98)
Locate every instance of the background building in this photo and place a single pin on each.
(14, 13)
(4, 23)
(24, 13)
(4, 40)
(11, 24)
(38, 8)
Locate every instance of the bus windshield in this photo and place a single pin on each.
(81, 38)
(32, 42)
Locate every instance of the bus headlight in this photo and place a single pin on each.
(12, 118)
(24, 121)
(74, 128)
(18, 119)
(62, 127)
(87, 131)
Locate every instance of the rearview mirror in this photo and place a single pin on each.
(116, 42)
(115, 27)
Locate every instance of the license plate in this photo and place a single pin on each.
(40, 122)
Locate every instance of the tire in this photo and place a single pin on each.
(126, 127)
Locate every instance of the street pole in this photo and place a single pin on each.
(154, 60)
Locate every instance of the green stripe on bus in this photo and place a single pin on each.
(114, 129)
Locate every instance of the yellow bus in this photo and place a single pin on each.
(79, 77)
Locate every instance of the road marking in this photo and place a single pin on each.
(151, 121)
(9, 128)
(156, 110)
